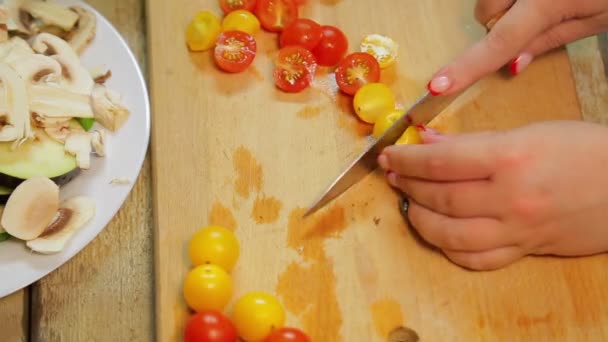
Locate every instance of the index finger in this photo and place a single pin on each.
(463, 158)
(509, 36)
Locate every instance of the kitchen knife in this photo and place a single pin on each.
(422, 112)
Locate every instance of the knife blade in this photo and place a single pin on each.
(422, 112)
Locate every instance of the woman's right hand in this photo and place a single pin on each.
(524, 29)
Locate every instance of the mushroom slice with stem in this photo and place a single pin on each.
(107, 108)
(35, 68)
(83, 33)
(15, 123)
(56, 101)
(75, 76)
(71, 216)
(50, 14)
(18, 20)
(30, 208)
(79, 144)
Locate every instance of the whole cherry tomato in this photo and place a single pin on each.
(210, 326)
(302, 32)
(287, 334)
(332, 47)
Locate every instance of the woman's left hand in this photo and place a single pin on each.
(488, 199)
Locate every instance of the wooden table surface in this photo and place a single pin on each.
(106, 292)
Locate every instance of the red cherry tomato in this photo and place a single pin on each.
(210, 326)
(274, 15)
(303, 32)
(294, 69)
(234, 51)
(332, 47)
(357, 70)
(300, 2)
(287, 335)
(233, 5)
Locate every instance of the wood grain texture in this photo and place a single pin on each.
(354, 271)
(105, 293)
(14, 317)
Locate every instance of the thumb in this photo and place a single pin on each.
(558, 36)
(507, 38)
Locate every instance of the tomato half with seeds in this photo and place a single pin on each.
(357, 70)
(274, 15)
(233, 5)
(294, 68)
(332, 47)
(234, 51)
(303, 32)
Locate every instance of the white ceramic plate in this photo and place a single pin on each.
(126, 150)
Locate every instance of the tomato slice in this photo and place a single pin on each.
(332, 47)
(357, 70)
(233, 5)
(234, 51)
(295, 68)
(274, 15)
(303, 32)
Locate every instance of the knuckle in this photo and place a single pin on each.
(497, 41)
(529, 208)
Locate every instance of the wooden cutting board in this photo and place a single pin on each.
(233, 150)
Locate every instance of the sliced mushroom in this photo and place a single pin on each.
(98, 141)
(3, 24)
(75, 76)
(30, 208)
(100, 74)
(71, 216)
(79, 144)
(45, 121)
(107, 109)
(15, 123)
(51, 14)
(83, 33)
(15, 50)
(35, 68)
(56, 101)
(18, 20)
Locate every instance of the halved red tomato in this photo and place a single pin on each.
(274, 15)
(303, 32)
(233, 5)
(332, 47)
(357, 70)
(294, 68)
(234, 51)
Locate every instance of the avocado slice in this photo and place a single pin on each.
(41, 156)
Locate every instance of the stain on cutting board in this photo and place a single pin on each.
(387, 315)
(309, 112)
(317, 307)
(222, 216)
(249, 174)
(266, 210)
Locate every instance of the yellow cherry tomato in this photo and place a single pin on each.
(241, 20)
(385, 121)
(257, 314)
(372, 101)
(214, 245)
(383, 48)
(207, 287)
(411, 136)
(202, 31)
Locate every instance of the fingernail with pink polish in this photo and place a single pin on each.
(439, 85)
(520, 63)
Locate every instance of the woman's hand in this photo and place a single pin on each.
(488, 199)
(527, 29)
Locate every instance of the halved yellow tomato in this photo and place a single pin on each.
(382, 47)
(386, 121)
(411, 136)
(241, 20)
